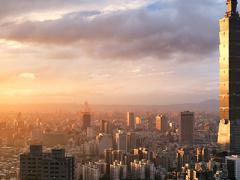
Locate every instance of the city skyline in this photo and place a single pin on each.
(121, 52)
(149, 73)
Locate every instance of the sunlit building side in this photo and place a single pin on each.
(229, 128)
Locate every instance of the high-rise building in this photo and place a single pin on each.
(118, 171)
(186, 127)
(114, 171)
(105, 127)
(233, 167)
(142, 153)
(229, 129)
(104, 141)
(27, 170)
(20, 124)
(138, 120)
(46, 166)
(142, 170)
(161, 123)
(108, 155)
(86, 120)
(180, 159)
(91, 132)
(131, 120)
(131, 141)
(90, 171)
(121, 141)
(86, 116)
(202, 154)
(118, 155)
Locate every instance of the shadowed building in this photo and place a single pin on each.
(105, 127)
(86, 116)
(86, 120)
(186, 127)
(38, 165)
(233, 167)
(229, 127)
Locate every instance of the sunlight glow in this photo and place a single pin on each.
(10, 44)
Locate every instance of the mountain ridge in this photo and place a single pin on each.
(204, 106)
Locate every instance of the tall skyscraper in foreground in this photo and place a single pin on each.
(186, 127)
(229, 127)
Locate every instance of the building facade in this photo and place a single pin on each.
(90, 171)
(121, 141)
(161, 123)
(37, 165)
(86, 116)
(131, 141)
(186, 127)
(229, 129)
(104, 141)
(86, 120)
(131, 120)
(233, 167)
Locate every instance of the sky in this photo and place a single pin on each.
(109, 51)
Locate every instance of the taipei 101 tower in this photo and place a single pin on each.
(229, 126)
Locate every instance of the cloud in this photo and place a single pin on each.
(146, 42)
(18, 7)
(165, 30)
(39, 10)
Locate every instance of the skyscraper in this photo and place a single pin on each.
(86, 116)
(105, 127)
(90, 171)
(229, 128)
(233, 166)
(104, 141)
(161, 123)
(131, 141)
(186, 127)
(131, 120)
(121, 141)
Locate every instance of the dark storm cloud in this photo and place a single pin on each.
(183, 30)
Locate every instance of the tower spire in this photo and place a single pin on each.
(231, 8)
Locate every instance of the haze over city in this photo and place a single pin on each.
(109, 52)
(119, 90)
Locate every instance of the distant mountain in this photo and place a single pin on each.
(205, 106)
